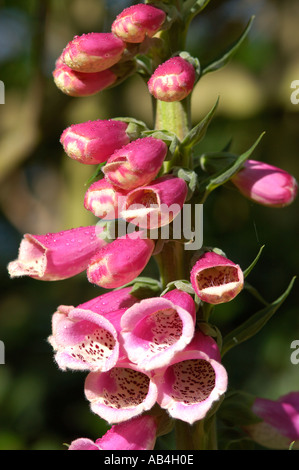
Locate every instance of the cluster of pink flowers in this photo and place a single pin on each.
(137, 353)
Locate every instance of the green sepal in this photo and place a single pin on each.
(236, 409)
(198, 132)
(97, 175)
(169, 138)
(227, 55)
(144, 287)
(255, 323)
(192, 8)
(180, 284)
(212, 182)
(189, 176)
(135, 127)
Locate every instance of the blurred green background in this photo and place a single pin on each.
(42, 191)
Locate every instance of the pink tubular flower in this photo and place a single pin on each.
(157, 204)
(134, 23)
(103, 200)
(120, 393)
(74, 83)
(86, 337)
(193, 381)
(173, 80)
(84, 340)
(93, 142)
(135, 434)
(216, 279)
(93, 52)
(279, 427)
(135, 164)
(266, 184)
(155, 329)
(121, 261)
(56, 256)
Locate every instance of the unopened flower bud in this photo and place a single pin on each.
(136, 22)
(266, 184)
(157, 204)
(103, 200)
(173, 80)
(93, 52)
(135, 164)
(216, 279)
(93, 142)
(122, 261)
(74, 83)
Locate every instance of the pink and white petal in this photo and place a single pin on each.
(154, 330)
(120, 393)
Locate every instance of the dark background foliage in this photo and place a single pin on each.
(42, 191)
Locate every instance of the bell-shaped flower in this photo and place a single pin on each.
(75, 83)
(157, 204)
(279, 425)
(216, 279)
(84, 340)
(135, 164)
(266, 184)
(136, 22)
(93, 52)
(93, 142)
(104, 200)
(120, 261)
(86, 337)
(172, 80)
(120, 393)
(57, 256)
(135, 434)
(155, 329)
(193, 382)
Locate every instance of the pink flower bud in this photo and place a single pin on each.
(173, 80)
(120, 393)
(216, 279)
(74, 83)
(134, 23)
(193, 381)
(155, 329)
(93, 52)
(121, 261)
(279, 425)
(266, 184)
(135, 164)
(56, 256)
(93, 142)
(103, 200)
(110, 301)
(157, 204)
(135, 434)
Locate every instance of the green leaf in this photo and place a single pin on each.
(226, 56)
(255, 323)
(247, 271)
(223, 176)
(198, 132)
(236, 409)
